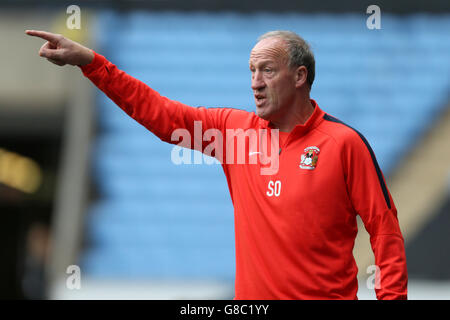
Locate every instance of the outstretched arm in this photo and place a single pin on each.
(157, 113)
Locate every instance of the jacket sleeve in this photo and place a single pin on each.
(158, 114)
(372, 201)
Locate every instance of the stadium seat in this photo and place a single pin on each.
(155, 219)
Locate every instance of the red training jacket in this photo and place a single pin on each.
(294, 229)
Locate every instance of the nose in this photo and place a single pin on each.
(257, 81)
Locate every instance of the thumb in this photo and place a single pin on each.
(47, 45)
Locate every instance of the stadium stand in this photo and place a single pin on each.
(155, 219)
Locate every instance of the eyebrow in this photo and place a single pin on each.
(263, 62)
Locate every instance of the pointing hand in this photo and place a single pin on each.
(61, 51)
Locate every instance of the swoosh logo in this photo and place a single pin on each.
(253, 152)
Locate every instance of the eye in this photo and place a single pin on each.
(267, 70)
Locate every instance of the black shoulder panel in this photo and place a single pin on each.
(372, 154)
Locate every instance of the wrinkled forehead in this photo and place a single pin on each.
(269, 49)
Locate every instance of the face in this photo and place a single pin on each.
(273, 81)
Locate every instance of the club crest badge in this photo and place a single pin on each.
(309, 158)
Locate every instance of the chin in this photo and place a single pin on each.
(263, 113)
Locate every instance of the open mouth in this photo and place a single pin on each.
(259, 99)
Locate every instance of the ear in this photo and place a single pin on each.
(301, 74)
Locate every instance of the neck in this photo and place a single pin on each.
(298, 113)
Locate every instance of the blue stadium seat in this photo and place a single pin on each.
(155, 219)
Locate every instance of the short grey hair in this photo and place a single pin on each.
(299, 51)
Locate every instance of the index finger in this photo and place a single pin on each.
(44, 35)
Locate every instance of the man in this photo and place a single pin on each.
(296, 227)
